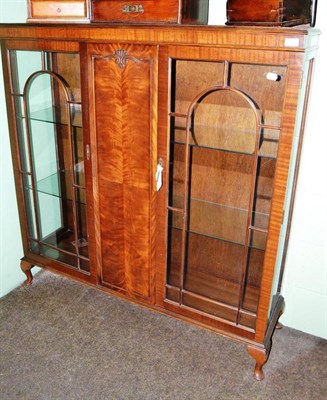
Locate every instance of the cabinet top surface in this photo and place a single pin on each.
(295, 39)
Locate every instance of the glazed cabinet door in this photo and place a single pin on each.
(50, 150)
(123, 108)
(225, 148)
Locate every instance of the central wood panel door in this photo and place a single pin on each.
(123, 114)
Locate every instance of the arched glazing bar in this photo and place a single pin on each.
(69, 104)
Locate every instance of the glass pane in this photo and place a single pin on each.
(23, 65)
(214, 268)
(21, 135)
(174, 255)
(264, 192)
(177, 174)
(220, 184)
(265, 84)
(67, 65)
(191, 77)
(224, 120)
(59, 114)
(82, 241)
(55, 254)
(253, 279)
(29, 206)
(269, 143)
(79, 158)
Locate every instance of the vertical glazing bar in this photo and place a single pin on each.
(43, 60)
(72, 172)
(226, 74)
(249, 220)
(185, 202)
(30, 157)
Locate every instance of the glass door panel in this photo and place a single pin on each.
(50, 135)
(223, 151)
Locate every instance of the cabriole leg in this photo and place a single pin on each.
(260, 356)
(26, 268)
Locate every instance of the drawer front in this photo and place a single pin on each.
(59, 9)
(136, 11)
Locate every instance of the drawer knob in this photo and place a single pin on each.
(58, 10)
(127, 9)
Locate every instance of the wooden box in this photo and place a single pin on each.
(272, 12)
(58, 11)
(145, 11)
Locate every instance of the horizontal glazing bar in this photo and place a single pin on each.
(215, 302)
(225, 321)
(253, 228)
(25, 172)
(78, 186)
(214, 148)
(180, 210)
(60, 249)
(271, 127)
(179, 115)
(208, 236)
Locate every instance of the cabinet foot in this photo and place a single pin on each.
(26, 268)
(279, 325)
(260, 356)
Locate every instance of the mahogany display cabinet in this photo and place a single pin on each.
(158, 163)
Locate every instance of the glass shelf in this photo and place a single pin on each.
(58, 115)
(268, 147)
(51, 186)
(220, 221)
(199, 146)
(205, 235)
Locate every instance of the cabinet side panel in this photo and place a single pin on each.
(123, 86)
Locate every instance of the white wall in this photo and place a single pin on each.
(305, 283)
(305, 280)
(10, 242)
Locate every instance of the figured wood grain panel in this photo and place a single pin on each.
(124, 114)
